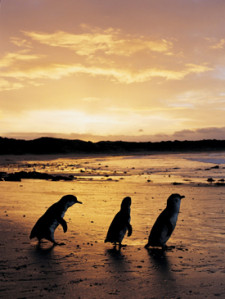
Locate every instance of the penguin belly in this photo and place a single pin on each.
(55, 224)
(52, 228)
(121, 234)
(173, 219)
(164, 236)
(166, 233)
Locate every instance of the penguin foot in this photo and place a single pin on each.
(119, 245)
(165, 247)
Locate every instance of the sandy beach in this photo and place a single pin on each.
(86, 267)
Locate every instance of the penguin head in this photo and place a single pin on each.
(126, 203)
(173, 202)
(69, 200)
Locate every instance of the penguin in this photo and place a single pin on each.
(47, 223)
(165, 223)
(120, 224)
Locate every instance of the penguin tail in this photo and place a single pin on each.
(32, 234)
(147, 245)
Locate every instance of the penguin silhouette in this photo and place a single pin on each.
(47, 223)
(165, 223)
(120, 224)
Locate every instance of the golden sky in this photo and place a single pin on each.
(112, 69)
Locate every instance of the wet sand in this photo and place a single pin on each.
(86, 267)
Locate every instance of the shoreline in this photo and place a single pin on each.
(99, 155)
(156, 168)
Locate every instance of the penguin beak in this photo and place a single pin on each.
(182, 196)
(79, 202)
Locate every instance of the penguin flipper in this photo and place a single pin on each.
(63, 223)
(129, 227)
(147, 245)
(170, 228)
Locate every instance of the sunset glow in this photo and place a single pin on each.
(131, 70)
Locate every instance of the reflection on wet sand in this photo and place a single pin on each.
(84, 267)
(117, 260)
(160, 261)
(160, 267)
(44, 250)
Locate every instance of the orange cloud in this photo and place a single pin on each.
(109, 42)
(21, 42)
(58, 71)
(219, 45)
(6, 85)
(11, 58)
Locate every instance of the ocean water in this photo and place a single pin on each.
(157, 168)
(214, 158)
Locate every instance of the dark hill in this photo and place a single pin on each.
(64, 146)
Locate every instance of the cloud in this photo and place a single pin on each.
(219, 45)
(10, 59)
(58, 71)
(95, 45)
(6, 85)
(108, 42)
(21, 42)
(202, 133)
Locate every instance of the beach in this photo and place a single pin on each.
(86, 267)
